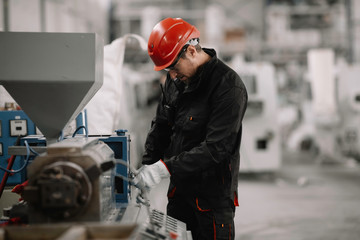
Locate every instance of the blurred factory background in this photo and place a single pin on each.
(300, 61)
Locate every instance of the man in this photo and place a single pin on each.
(195, 136)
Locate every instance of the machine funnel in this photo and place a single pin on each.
(52, 76)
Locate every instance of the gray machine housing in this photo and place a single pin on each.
(72, 181)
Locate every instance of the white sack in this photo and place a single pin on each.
(105, 108)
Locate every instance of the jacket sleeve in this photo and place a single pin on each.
(228, 103)
(158, 137)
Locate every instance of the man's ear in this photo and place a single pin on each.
(192, 50)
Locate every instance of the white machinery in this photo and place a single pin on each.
(321, 64)
(332, 116)
(52, 76)
(349, 108)
(260, 145)
(336, 106)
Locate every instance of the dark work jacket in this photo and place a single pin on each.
(197, 133)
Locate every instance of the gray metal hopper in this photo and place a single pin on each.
(52, 76)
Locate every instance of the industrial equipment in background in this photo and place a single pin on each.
(321, 67)
(330, 112)
(335, 105)
(349, 109)
(261, 142)
(73, 183)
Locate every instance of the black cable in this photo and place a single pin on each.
(86, 131)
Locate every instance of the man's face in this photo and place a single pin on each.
(185, 68)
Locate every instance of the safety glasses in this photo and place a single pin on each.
(172, 66)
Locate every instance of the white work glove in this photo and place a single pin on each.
(151, 175)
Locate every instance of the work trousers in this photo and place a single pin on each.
(204, 221)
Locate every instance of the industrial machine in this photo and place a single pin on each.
(335, 106)
(260, 145)
(12, 125)
(75, 178)
(330, 115)
(349, 109)
(15, 124)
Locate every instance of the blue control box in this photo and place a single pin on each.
(13, 124)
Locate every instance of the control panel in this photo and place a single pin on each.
(16, 124)
(120, 144)
(13, 124)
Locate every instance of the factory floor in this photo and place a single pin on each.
(304, 200)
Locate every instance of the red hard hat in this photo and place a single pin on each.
(167, 39)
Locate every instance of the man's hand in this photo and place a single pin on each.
(151, 175)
